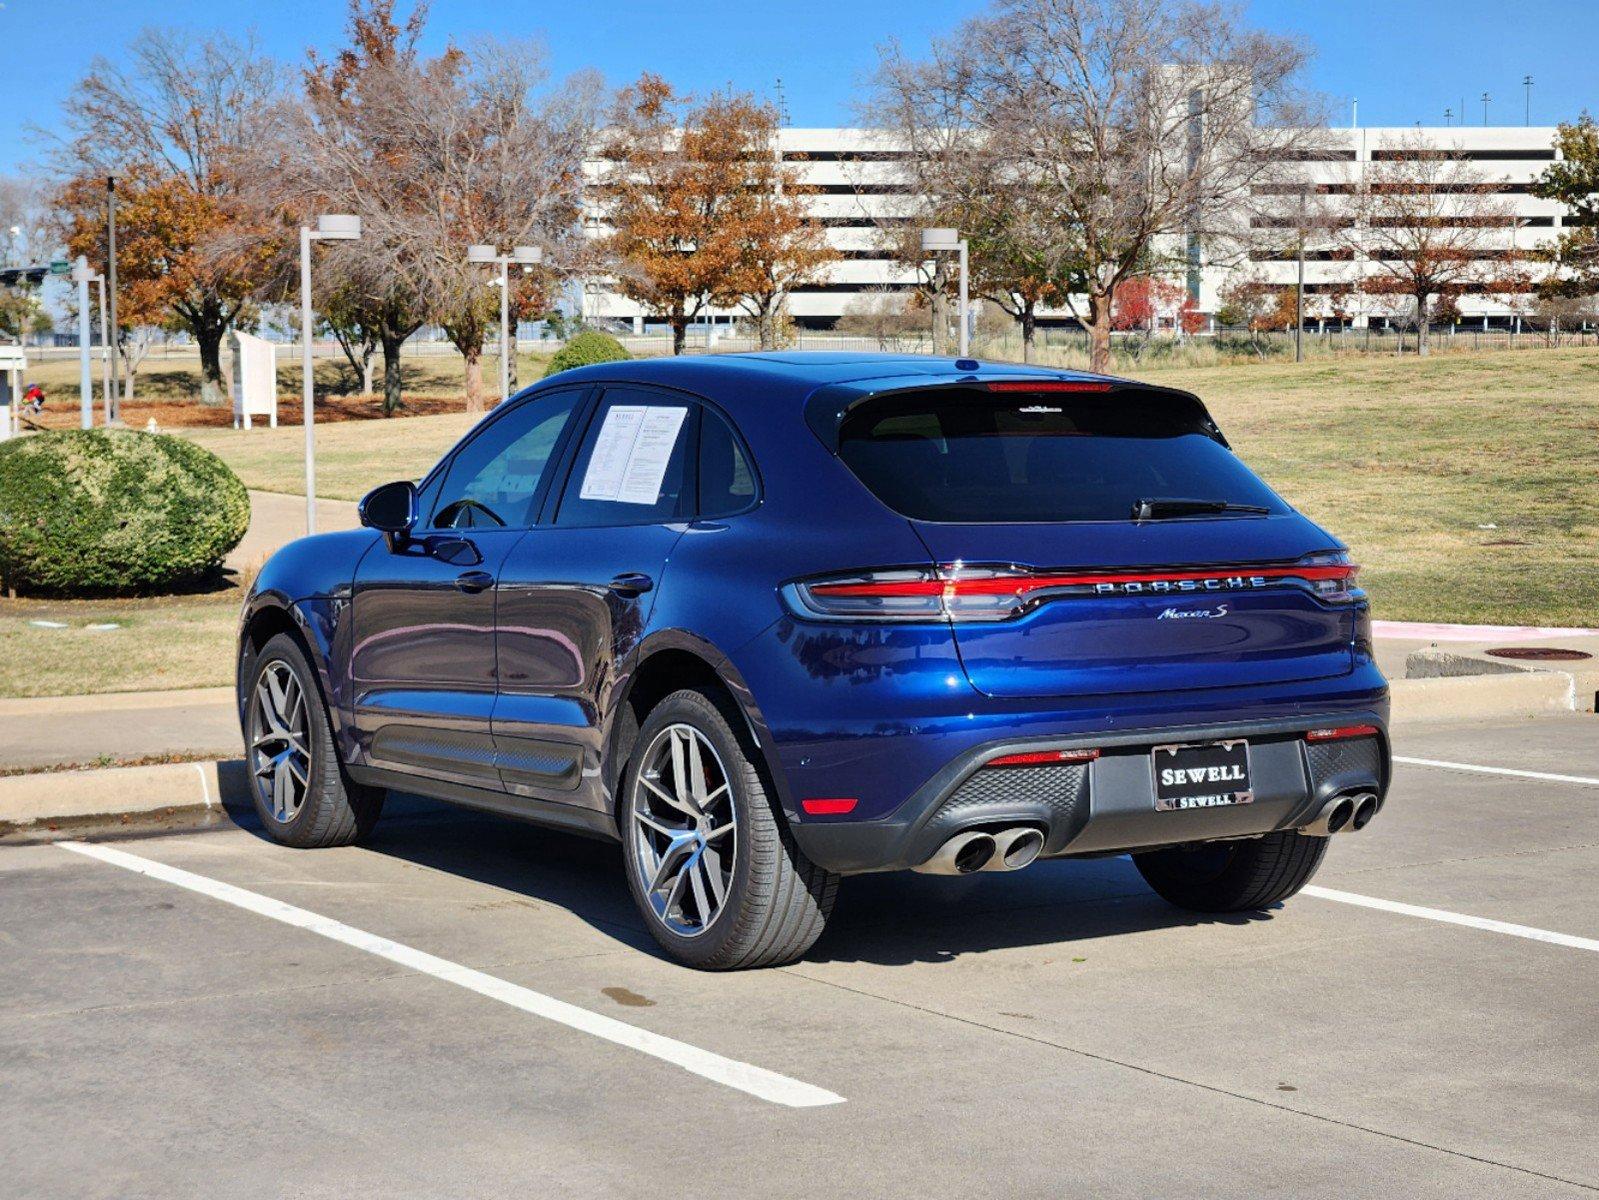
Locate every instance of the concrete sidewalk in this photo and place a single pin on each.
(276, 519)
(117, 726)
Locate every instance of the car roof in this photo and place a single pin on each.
(798, 373)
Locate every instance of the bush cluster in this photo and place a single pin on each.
(106, 512)
(586, 349)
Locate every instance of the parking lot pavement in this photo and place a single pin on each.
(447, 1011)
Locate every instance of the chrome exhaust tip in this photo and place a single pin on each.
(1365, 810)
(1015, 848)
(1333, 817)
(961, 855)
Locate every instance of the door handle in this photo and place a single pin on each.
(474, 581)
(632, 583)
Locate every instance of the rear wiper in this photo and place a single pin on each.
(1155, 507)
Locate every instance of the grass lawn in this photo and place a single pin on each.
(1465, 484)
(352, 457)
(170, 642)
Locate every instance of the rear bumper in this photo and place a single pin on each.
(1108, 806)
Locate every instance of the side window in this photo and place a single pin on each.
(632, 468)
(727, 485)
(494, 478)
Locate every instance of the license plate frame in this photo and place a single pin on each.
(1189, 795)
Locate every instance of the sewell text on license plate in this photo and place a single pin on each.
(1203, 775)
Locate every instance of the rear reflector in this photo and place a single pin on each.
(1342, 731)
(829, 806)
(1049, 385)
(1038, 758)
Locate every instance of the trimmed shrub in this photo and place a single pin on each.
(101, 512)
(587, 348)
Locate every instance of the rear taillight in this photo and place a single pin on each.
(966, 592)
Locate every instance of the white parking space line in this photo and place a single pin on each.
(1453, 918)
(756, 1081)
(1585, 780)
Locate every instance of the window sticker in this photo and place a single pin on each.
(632, 453)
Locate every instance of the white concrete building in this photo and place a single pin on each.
(855, 176)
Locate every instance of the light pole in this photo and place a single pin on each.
(526, 256)
(334, 227)
(98, 279)
(935, 240)
(82, 276)
(1526, 84)
(1485, 98)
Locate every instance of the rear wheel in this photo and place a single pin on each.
(710, 862)
(300, 791)
(1233, 876)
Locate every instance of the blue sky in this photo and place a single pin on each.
(1405, 60)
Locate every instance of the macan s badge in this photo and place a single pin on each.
(1183, 614)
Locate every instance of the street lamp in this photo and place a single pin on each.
(935, 240)
(526, 256)
(339, 227)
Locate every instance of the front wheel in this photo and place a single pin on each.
(710, 862)
(1233, 876)
(300, 790)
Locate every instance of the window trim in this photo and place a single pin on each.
(501, 413)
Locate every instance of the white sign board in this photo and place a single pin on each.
(632, 453)
(13, 361)
(255, 380)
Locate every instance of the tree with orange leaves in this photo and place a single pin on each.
(191, 250)
(678, 193)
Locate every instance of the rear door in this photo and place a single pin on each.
(577, 592)
(423, 610)
(1026, 498)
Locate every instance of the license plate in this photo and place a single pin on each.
(1208, 775)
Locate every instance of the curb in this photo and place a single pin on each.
(1484, 697)
(116, 794)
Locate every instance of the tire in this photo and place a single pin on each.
(1233, 876)
(326, 808)
(774, 902)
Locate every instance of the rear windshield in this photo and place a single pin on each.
(969, 456)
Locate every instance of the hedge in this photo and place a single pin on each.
(586, 349)
(105, 512)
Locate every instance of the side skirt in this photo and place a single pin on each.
(549, 813)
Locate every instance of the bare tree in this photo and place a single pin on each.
(1428, 224)
(1135, 126)
(173, 128)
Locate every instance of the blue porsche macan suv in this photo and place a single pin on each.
(772, 619)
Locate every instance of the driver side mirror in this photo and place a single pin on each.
(390, 509)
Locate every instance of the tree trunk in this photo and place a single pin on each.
(679, 322)
(1029, 327)
(366, 369)
(213, 384)
(766, 324)
(1099, 306)
(392, 341)
(474, 379)
(1421, 326)
(940, 320)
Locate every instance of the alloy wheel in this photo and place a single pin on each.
(684, 830)
(280, 755)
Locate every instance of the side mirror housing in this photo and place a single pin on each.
(390, 509)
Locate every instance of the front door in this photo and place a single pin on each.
(576, 593)
(422, 658)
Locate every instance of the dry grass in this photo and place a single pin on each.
(167, 642)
